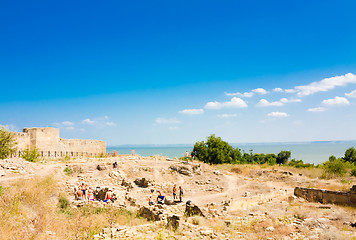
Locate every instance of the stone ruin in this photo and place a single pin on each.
(326, 196)
(49, 143)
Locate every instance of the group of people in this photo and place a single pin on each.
(177, 195)
(192, 155)
(84, 192)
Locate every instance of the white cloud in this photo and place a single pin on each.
(277, 114)
(88, 121)
(325, 85)
(167, 121)
(67, 123)
(260, 91)
(317, 109)
(110, 124)
(281, 102)
(174, 128)
(192, 111)
(277, 90)
(265, 103)
(227, 115)
(234, 103)
(351, 94)
(248, 94)
(340, 101)
(290, 90)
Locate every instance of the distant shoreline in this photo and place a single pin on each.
(310, 152)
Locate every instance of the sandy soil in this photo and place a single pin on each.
(250, 201)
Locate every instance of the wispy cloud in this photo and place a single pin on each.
(233, 103)
(317, 109)
(351, 94)
(227, 115)
(324, 85)
(192, 111)
(337, 101)
(173, 128)
(167, 121)
(278, 114)
(67, 123)
(248, 94)
(110, 124)
(88, 121)
(281, 102)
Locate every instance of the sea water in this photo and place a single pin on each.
(309, 152)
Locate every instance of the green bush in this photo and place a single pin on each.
(353, 172)
(336, 168)
(68, 171)
(31, 155)
(283, 157)
(63, 202)
(7, 143)
(216, 151)
(300, 164)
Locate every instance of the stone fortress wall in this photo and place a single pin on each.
(49, 143)
(326, 196)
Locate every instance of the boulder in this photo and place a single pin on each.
(142, 182)
(101, 167)
(150, 213)
(185, 170)
(192, 209)
(126, 184)
(100, 193)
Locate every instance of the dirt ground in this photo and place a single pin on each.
(238, 202)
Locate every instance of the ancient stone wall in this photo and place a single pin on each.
(326, 196)
(49, 143)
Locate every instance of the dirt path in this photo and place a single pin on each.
(231, 191)
(43, 171)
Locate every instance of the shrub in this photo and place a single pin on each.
(31, 155)
(353, 172)
(7, 143)
(63, 203)
(336, 168)
(299, 164)
(1, 190)
(216, 151)
(68, 171)
(283, 157)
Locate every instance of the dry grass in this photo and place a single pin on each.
(29, 210)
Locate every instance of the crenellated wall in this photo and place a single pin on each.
(49, 143)
(326, 196)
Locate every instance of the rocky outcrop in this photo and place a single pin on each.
(173, 222)
(150, 213)
(101, 167)
(192, 209)
(142, 182)
(186, 169)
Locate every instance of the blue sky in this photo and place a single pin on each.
(168, 72)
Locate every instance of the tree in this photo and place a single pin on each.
(7, 143)
(283, 157)
(216, 151)
(350, 155)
